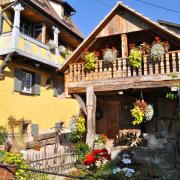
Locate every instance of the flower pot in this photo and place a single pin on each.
(7, 172)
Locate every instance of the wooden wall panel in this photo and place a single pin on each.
(123, 23)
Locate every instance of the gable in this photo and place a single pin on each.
(121, 19)
(124, 22)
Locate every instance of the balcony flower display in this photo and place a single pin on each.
(157, 49)
(90, 59)
(135, 58)
(51, 45)
(62, 49)
(110, 55)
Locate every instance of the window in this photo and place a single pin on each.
(30, 29)
(27, 82)
(58, 87)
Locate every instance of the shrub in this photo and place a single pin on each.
(3, 135)
(78, 129)
(16, 160)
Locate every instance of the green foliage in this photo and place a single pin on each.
(16, 160)
(81, 150)
(77, 126)
(90, 59)
(135, 58)
(137, 114)
(3, 135)
(172, 96)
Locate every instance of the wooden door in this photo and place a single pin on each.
(109, 123)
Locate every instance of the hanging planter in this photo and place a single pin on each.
(90, 59)
(149, 112)
(110, 55)
(135, 58)
(137, 115)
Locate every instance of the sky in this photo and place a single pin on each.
(91, 12)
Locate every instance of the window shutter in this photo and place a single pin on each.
(18, 80)
(37, 84)
(61, 87)
(34, 129)
(55, 85)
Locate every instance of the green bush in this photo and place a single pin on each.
(81, 150)
(3, 135)
(16, 160)
(78, 129)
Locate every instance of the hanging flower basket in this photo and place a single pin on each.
(148, 113)
(110, 55)
(62, 49)
(135, 58)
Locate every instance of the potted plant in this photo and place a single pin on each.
(109, 55)
(52, 45)
(135, 58)
(62, 49)
(157, 49)
(90, 59)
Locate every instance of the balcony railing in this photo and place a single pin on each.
(30, 48)
(121, 68)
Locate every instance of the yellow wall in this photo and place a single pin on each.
(44, 110)
(7, 23)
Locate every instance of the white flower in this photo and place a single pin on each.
(128, 172)
(116, 170)
(126, 161)
(125, 156)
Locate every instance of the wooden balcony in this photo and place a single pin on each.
(120, 75)
(30, 48)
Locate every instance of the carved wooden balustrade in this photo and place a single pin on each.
(169, 63)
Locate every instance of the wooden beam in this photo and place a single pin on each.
(124, 45)
(149, 81)
(91, 115)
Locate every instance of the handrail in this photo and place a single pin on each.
(121, 67)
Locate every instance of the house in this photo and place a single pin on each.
(117, 86)
(36, 36)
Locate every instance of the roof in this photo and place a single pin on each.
(103, 23)
(171, 26)
(47, 8)
(168, 23)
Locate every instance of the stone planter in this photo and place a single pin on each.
(7, 173)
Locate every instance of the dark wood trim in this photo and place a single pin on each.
(141, 82)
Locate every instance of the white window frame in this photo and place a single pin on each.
(27, 82)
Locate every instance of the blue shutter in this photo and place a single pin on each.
(18, 80)
(37, 84)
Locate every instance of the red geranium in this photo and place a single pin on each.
(96, 151)
(90, 159)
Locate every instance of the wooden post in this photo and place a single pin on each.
(43, 39)
(124, 45)
(66, 83)
(91, 112)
